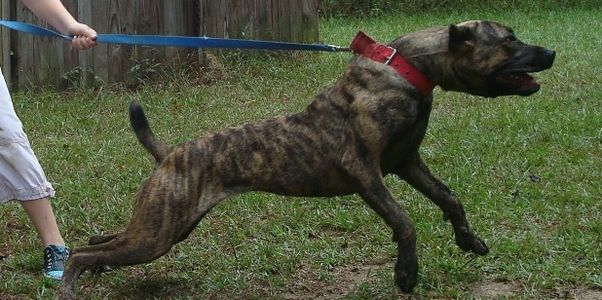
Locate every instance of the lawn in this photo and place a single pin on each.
(528, 170)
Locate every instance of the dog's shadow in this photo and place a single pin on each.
(168, 287)
(157, 288)
(138, 287)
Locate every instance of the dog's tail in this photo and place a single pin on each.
(145, 135)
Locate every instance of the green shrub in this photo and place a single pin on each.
(364, 8)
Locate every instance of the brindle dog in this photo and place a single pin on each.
(370, 123)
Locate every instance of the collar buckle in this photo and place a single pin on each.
(390, 56)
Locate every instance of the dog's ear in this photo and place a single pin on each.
(460, 38)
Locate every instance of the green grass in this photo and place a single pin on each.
(528, 171)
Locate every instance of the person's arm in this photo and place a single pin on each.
(53, 12)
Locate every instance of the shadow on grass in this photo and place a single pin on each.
(157, 287)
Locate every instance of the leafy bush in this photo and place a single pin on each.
(363, 8)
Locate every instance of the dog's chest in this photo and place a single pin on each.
(406, 140)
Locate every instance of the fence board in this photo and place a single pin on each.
(24, 68)
(70, 55)
(262, 9)
(151, 22)
(100, 17)
(2, 9)
(7, 65)
(86, 58)
(310, 26)
(233, 19)
(296, 20)
(128, 55)
(174, 19)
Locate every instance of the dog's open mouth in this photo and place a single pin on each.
(513, 78)
(517, 83)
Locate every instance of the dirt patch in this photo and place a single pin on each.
(4, 296)
(345, 279)
(496, 290)
(509, 290)
(4, 253)
(588, 294)
(578, 293)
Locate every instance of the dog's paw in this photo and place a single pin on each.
(472, 243)
(101, 269)
(406, 273)
(65, 294)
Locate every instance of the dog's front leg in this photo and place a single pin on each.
(378, 197)
(417, 174)
(374, 192)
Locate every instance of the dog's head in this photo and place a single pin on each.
(478, 57)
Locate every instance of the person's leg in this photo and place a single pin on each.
(41, 215)
(22, 179)
(55, 252)
(21, 175)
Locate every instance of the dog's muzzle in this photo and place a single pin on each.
(515, 79)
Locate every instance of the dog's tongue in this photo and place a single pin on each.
(527, 81)
(521, 80)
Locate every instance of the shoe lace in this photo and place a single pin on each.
(55, 258)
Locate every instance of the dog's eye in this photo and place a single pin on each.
(510, 38)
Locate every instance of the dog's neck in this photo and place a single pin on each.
(423, 49)
(366, 46)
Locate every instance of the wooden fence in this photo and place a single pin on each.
(31, 60)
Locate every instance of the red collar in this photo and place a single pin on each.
(366, 46)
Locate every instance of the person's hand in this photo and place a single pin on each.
(84, 37)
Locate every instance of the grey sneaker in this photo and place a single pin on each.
(55, 258)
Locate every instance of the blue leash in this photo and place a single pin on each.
(177, 41)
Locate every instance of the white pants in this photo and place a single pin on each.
(21, 176)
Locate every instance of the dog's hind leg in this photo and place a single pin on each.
(123, 250)
(417, 174)
(99, 239)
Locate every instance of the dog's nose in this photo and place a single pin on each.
(550, 54)
(545, 57)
